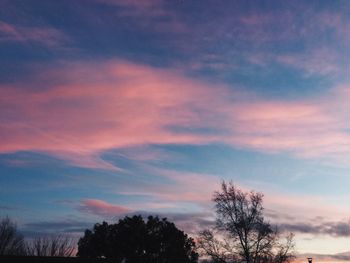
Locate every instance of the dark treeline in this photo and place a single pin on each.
(241, 235)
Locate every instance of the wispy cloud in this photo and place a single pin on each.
(66, 226)
(101, 208)
(316, 62)
(45, 36)
(179, 189)
(149, 15)
(145, 8)
(100, 106)
(338, 228)
(120, 104)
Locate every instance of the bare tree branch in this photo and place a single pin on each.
(251, 238)
(11, 243)
(53, 246)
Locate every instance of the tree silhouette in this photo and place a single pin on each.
(242, 233)
(11, 242)
(51, 246)
(134, 240)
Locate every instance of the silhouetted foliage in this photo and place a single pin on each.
(242, 234)
(51, 246)
(11, 242)
(134, 240)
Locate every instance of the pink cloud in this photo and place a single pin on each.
(104, 106)
(46, 36)
(309, 128)
(102, 208)
(88, 108)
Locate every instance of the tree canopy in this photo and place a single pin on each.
(242, 234)
(133, 239)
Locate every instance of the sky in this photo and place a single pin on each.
(117, 107)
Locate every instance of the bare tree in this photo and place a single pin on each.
(52, 246)
(217, 247)
(11, 242)
(285, 250)
(245, 234)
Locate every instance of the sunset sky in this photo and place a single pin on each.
(118, 107)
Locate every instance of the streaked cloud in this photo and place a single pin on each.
(338, 229)
(123, 105)
(66, 226)
(116, 104)
(147, 14)
(102, 208)
(46, 36)
(316, 62)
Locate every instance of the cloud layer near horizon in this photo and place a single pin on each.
(78, 110)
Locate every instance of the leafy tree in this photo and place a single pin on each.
(242, 234)
(11, 242)
(134, 240)
(51, 246)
